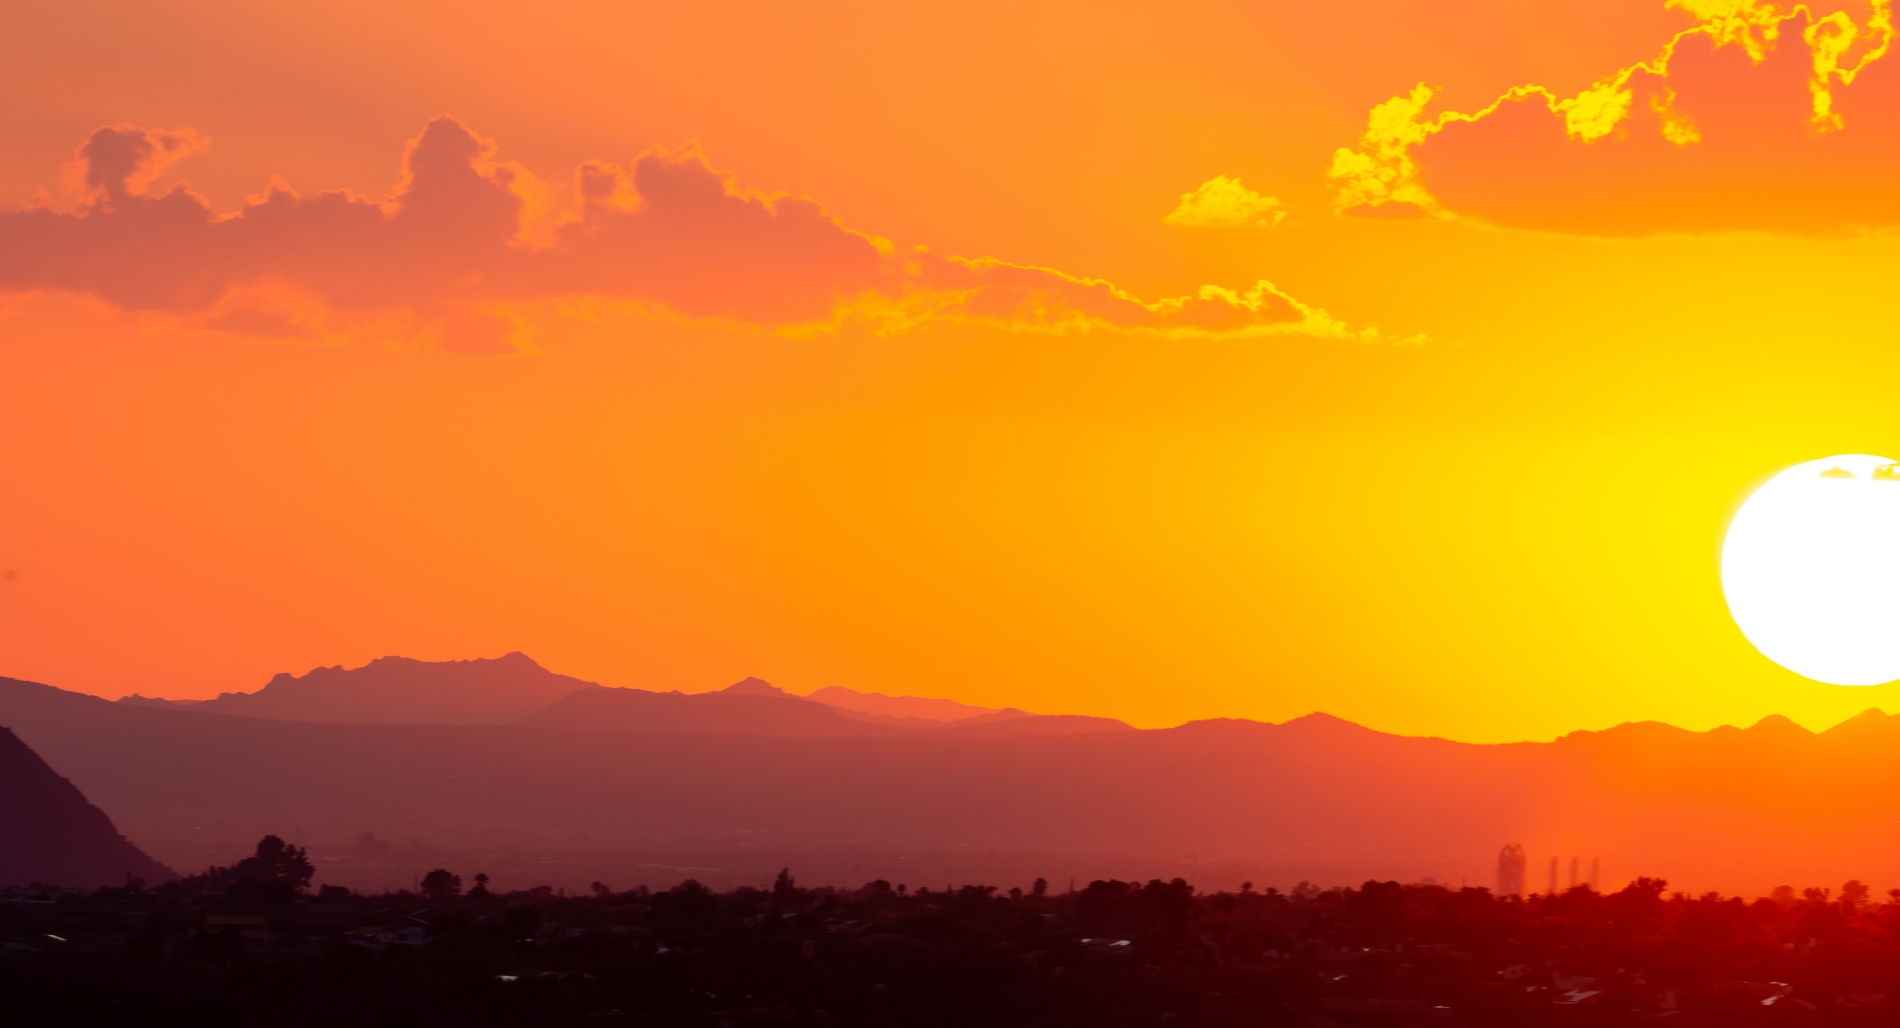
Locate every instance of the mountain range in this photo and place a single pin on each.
(513, 689)
(909, 711)
(756, 707)
(397, 691)
(629, 785)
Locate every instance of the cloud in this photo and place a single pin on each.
(465, 243)
(1018, 297)
(1753, 118)
(124, 159)
(1000, 295)
(447, 239)
(1223, 202)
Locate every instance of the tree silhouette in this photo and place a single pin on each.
(785, 892)
(686, 901)
(276, 873)
(1104, 899)
(439, 884)
(277, 861)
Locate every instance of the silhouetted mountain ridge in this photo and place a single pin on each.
(747, 712)
(1315, 797)
(910, 709)
(398, 691)
(513, 689)
(53, 835)
(755, 707)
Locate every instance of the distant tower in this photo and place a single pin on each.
(1573, 871)
(1511, 870)
(1553, 877)
(1596, 877)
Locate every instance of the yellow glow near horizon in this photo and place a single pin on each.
(1811, 569)
(1009, 502)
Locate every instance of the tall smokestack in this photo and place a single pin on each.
(1511, 870)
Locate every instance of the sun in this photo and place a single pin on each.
(1811, 569)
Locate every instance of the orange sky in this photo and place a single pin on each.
(679, 416)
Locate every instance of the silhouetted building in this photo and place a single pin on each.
(1511, 870)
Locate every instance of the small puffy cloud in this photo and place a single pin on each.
(1223, 202)
(704, 247)
(1754, 118)
(123, 159)
(465, 244)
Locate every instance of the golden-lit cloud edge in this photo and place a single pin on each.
(468, 252)
(1621, 156)
(1225, 202)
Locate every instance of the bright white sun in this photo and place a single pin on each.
(1811, 569)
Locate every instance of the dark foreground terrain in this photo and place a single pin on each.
(250, 945)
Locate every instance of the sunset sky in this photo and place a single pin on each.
(1153, 361)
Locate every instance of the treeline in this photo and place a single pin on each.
(206, 950)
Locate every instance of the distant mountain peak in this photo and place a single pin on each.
(917, 709)
(750, 686)
(1778, 725)
(1321, 720)
(514, 657)
(398, 690)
